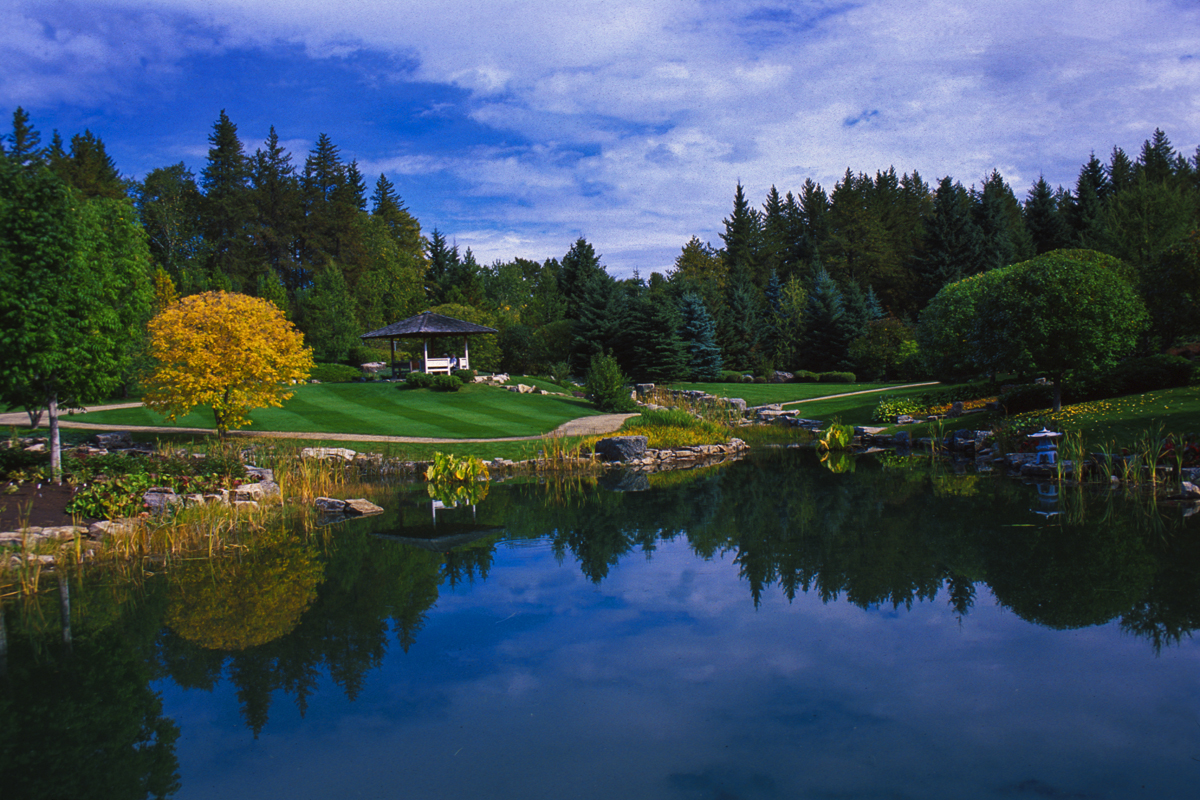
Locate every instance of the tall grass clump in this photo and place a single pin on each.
(675, 427)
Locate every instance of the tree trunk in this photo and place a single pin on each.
(35, 416)
(55, 439)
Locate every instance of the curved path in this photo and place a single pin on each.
(583, 426)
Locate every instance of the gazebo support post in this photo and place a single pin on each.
(425, 364)
(393, 341)
(466, 355)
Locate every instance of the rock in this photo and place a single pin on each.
(159, 498)
(115, 440)
(244, 505)
(735, 404)
(621, 448)
(904, 419)
(901, 439)
(956, 409)
(256, 491)
(345, 454)
(110, 527)
(260, 473)
(782, 377)
(358, 506)
(330, 505)
(1188, 489)
(644, 389)
(36, 448)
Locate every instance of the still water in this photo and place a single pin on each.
(767, 629)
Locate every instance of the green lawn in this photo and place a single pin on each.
(1126, 419)
(385, 409)
(757, 394)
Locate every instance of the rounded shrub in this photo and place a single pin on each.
(836, 377)
(465, 375)
(804, 376)
(418, 380)
(446, 383)
(335, 373)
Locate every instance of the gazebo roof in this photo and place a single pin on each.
(427, 324)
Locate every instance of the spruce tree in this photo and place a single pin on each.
(227, 209)
(699, 334)
(951, 243)
(278, 209)
(743, 240)
(22, 147)
(827, 330)
(1043, 218)
(649, 346)
(388, 207)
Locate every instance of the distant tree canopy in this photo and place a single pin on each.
(811, 279)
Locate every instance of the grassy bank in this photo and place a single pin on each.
(386, 409)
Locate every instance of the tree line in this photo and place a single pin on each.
(810, 280)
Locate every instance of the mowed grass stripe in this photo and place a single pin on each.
(386, 410)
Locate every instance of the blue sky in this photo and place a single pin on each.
(515, 127)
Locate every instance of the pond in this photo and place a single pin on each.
(765, 629)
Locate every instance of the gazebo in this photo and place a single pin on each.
(428, 325)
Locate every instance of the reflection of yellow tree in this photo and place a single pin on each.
(235, 603)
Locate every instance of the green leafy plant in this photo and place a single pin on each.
(836, 437)
(606, 385)
(449, 468)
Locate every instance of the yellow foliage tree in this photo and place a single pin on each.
(229, 351)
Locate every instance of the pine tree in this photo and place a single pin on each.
(580, 268)
(277, 214)
(1043, 219)
(743, 240)
(827, 334)
(442, 259)
(89, 169)
(387, 206)
(951, 243)
(699, 334)
(23, 142)
(1002, 234)
(227, 209)
(649, 346)
(1086, 210)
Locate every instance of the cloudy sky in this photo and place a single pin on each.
(516, 127)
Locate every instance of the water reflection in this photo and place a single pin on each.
(300, 613)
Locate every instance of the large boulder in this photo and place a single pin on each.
(621, 448)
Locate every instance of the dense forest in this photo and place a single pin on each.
(811, 280)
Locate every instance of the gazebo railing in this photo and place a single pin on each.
(444, 366)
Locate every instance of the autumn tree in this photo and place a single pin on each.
(228, 351)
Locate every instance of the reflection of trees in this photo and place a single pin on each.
(371, 588)
(248, 599)
(82, 721)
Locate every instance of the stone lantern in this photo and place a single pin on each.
(1047, 447)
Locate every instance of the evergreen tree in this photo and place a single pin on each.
(1120, 172)
(89, 169)
(1043, 219)
(1086, 210)
(227, 209)
(699, 334)
(743, 241)
(278, 210)
(577, 274)
(22, 147)
(443, 260)
(741, 331)
(387, 206)
(599, 312)
(1002, 235)
(327, 314)
(827, 330)
(952, 241)
(649, 346)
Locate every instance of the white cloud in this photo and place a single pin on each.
(639, 118)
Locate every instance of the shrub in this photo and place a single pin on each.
(606, 385)
(446, 383)
(335, 373)
(890, 407)
(359, 354)
(804, 376)
(465, 375)
(560, 373)
(836, 377)
(730, 376)
(418, 380)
